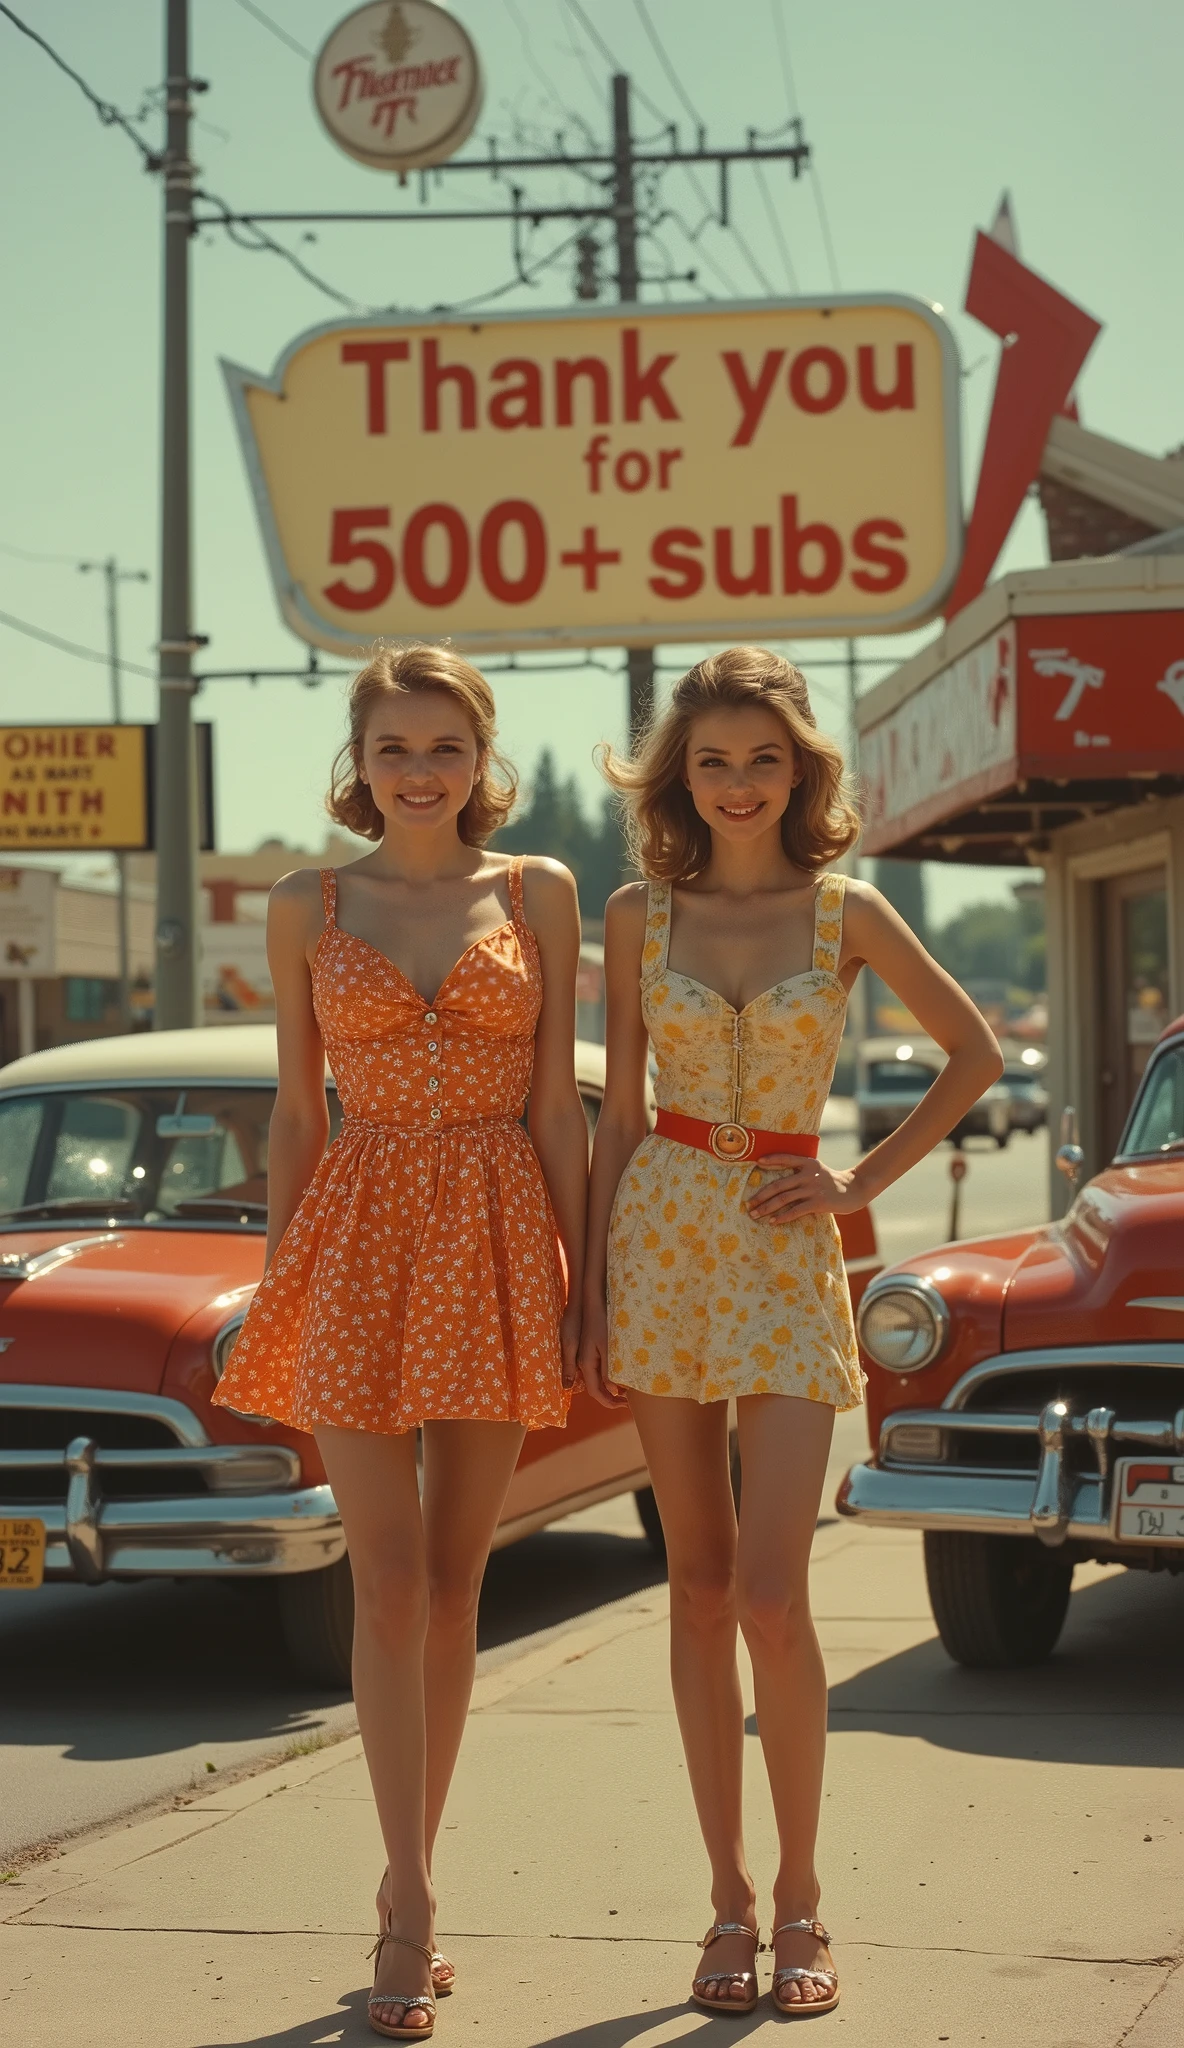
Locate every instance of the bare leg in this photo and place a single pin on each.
(686, 1448)
(467, 1469)
(784, 1443)
(376, 1488)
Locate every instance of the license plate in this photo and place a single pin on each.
(22, 1556)
(1149, 1501)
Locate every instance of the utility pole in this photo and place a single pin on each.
(113, 576)
(860, 1004)
(639, 660)
(178, 988)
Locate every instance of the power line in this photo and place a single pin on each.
(249, 7)
(791, 91)
(824, 224)
(659, 49)
(775, 223)
(528, 51)
(133, 668)
(574, 7)
(109, 115)
(7, 547)
(791, 95)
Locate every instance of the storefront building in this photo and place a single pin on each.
(1046, 725)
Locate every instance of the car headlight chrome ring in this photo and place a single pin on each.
(224, 1342)
(904, 1322)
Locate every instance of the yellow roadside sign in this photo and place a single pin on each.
(620, 475)
(64, 786)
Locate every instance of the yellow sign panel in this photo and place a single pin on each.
(65, 786)
(619, 475)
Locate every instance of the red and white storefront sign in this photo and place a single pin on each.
(1058, 697)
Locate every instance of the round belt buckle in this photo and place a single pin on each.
(730, 1141)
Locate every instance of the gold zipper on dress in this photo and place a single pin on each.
(737, 1075)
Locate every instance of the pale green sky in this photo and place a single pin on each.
(919, 114)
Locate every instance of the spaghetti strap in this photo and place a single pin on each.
(828, 923)
(514, 883)
(657, 930)
(329, 894)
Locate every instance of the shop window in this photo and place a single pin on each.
(88, 999)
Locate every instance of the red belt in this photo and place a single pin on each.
(732, 1142)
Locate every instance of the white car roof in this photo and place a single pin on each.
(211, 1052)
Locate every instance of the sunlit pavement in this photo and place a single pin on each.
(1002, 1854)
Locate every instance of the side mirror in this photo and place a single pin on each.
(1070, 1157)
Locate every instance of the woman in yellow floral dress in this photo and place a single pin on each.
(714, 1270)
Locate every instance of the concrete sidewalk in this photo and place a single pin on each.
(1003, 1857)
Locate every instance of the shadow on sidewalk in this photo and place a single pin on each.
(1110, 1693)
(348, 2023)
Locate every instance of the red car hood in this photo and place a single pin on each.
(106, 1312)
(1122, 1241)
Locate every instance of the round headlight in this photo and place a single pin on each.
(224, 1342)
(904, 1324)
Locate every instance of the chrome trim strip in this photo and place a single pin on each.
(253, 1535)
(1050, 1506)
(1175, 1302)
(1006, 1364)
(228, 1467)
(995, 1504)
(27, 1265)
(110, 1401)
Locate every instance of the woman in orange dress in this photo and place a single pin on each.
(714, 1270)
(424, 1272)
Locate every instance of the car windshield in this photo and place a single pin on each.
(899, 1077)
(1157, 1124)
(151, 1154)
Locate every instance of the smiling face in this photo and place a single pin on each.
(419, 758)
(741, 769)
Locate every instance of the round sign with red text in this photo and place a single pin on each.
(398, 85)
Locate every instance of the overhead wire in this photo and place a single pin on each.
(659, 49)
(110, 115)
(775, 224)
(791, 95)
(8, 547)
(249, 7)
(132, 668)
(590, 29)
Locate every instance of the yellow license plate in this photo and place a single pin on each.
(22, 1556)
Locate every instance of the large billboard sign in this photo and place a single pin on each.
(617, 476)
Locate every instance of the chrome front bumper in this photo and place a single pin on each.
(251, 1519)
(1069, 1497)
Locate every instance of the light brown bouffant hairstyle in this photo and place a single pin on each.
(668, 840)
(396, 671)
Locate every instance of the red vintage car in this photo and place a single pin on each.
(1026, 1393)
(133, 1205)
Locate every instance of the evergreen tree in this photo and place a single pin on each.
(553, 822)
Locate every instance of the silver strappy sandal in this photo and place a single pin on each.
(405, 1999)
(747, 1977)
(801, 2008)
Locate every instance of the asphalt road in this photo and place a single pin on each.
(115, 1697)
(1003, 1190)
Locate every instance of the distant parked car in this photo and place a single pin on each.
(892, 1075)
(1027, 1094)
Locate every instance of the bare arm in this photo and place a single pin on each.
(558, 1128)
(875, 934)
(622, 1122)
(300, 1119)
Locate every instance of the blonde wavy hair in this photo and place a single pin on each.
(668, 840)
(396, 671)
